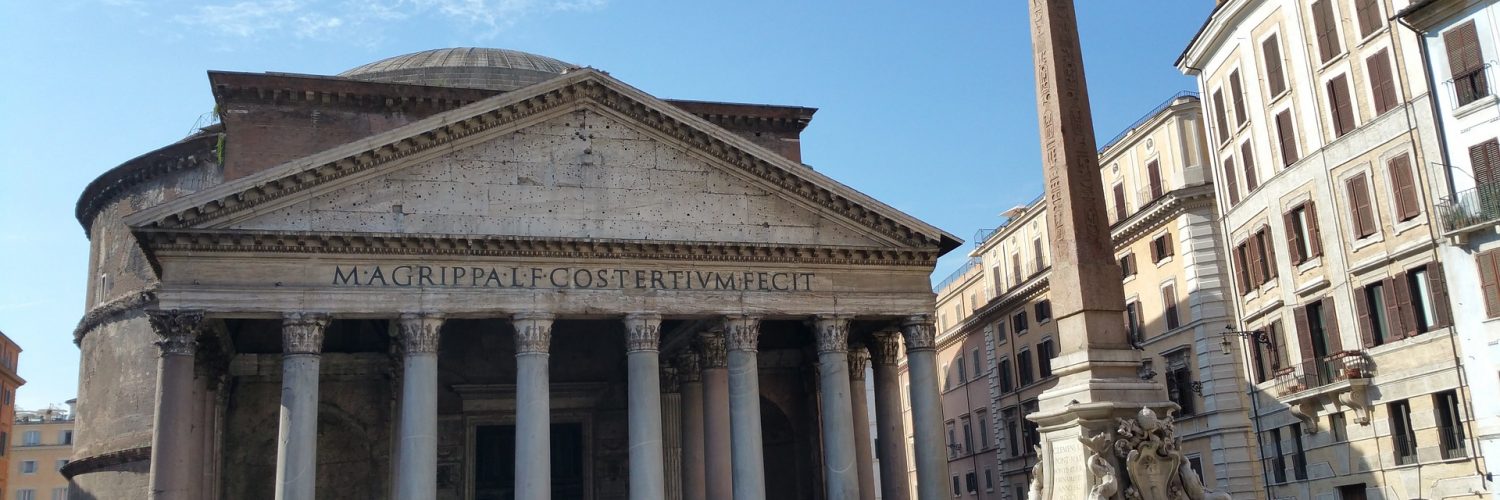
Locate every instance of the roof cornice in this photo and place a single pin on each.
(1219, 23)
(271, 187)
(1159, 212)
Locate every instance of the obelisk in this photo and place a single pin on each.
(1096, 366)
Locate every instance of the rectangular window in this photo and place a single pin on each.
(984, 429)
(989, 480)
(1404, 437)
(1180, 381)
(1223, 125)
(1404, 187)
(1287, 137)
(1023, 363)
(1489, 281)
(1484, 159)
(1265, 255)
(1368, 12)
(1039, 254)
(1127, 265)
(963, 375)
(1275, 460)
(1271, 51)
(1299, 460)
(1374, 318)
(1195, 462)
(956, 488)
(1361, 212)
(1121, 212)
(1133, 321)
(1303, 239)
(1169, 306)
(1251, 180)
(59, 494)
(1043, 311)
(971, 482)
(1044, 357)
(1012, 431)
(1424, 317)
(65, 437)
(1466, 63)
(1325, 26)
(1237, 95)
(1231, 187)
(1006, 383)
(1450, 426)
(28, 466)
(25, 494)
(1029, 428)
(968, 435)
(1382, 84)
(1340, 105)
(31, 438)
(1019, 323)
(952, 441)
(1153, 176)
(978, 364)
(1015, 268)
(1339, 425)
(1268, 356)
(1161, 247)
(1242, 269)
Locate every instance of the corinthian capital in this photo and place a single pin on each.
(714, 355)
(919, 332)
(742, 331)
(419, 332)
(687, 367)
(642, 332)
(859, 359)
(533, 332)
(886, 348)
(833, 333)
(178, 330)
(302, 333)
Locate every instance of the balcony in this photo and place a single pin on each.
(1343, 377)
(1470, 210)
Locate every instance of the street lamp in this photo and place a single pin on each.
(1259, 336)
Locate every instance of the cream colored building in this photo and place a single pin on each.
(1320, 129)
(996, 336)
(40, 446)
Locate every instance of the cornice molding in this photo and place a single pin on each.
(1021, 294)
(104, 461)
(301, 242)
(188, 154)
(512, 110)
(115, 310)
(1160, 211)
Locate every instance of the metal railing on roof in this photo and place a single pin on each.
(983, 235)
(1158, 109)
(957, 274)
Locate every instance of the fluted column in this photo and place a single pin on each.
(297, 433)
(172, 449)
(671, 430)
(864, 460)
(718, 470)
(840, 473)
(533, 407)
(690, 385)
(926, 406)
(885, 354)
(416, 438)
(743, 335)
(643, 339)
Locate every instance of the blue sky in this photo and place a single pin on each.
(928, 106)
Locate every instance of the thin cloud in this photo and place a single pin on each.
(352, 21)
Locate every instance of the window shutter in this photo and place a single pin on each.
(1229, 183)
(1462, 43)
(1382, 87)
(1241, 271)
(1293, 237)
(1359, 202)
(1256, 278)
(1323, 23)
(1251, 180)
(1120, 211)
(1489, 281)
(1271, 51)
(1237, 95)
(1155, 252)
(1485, 159)
(1331, 326)
(1369, 16)
(1287, 138)
(1404, 187)
(1362, 312)
(1437, 283)
(1304, 335)
(1278, 345)
(1343, 110)
(1153, 172)
(1166, 245)
(1408, 325)
(1223, 126)
(1315, 237)
(1270, 249)
(1393, 311)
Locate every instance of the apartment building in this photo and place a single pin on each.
(41, 446)
(10, 381)
(1462, 43)
(1320, 132)
(997, 337)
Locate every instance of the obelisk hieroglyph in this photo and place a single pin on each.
(1096, 366)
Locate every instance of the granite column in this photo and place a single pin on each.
(864, 459)
(533, 407)
(743, 336)
(840, 474)
(643, 339)
(172, 475)
(926, 407)
(718, 469)
(690, 385)
(885, 353)
(297, 435)
(416, 437)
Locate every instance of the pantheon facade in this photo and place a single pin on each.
(486, 274)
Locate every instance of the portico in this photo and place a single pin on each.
(572, 290)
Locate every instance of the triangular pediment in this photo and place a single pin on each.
(580, 157)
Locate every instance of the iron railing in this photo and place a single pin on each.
(1452, 437)
(957, 274)
(1472, 207)
(1164, 105)
(1471, 86)
(1337, 367)
(1406, 447)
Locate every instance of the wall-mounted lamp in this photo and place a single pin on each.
(1259, 336)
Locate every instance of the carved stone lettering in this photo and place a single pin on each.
(602, 278)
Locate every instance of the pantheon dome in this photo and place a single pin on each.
(467, 67)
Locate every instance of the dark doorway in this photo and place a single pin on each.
(495, 462)
(1352, 492)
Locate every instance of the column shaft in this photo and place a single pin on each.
(744, 409)
(644, 380)
(885, 352)
(297, 430)
(718, 469)
(926, 408)
(864, 458)
(533, 407)
(693, 456)
(416, 437)
(840, 473)
(173, 475)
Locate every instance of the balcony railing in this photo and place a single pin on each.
(1471, 86)
(1338, 367)
(1452, 437)
(1470, 208)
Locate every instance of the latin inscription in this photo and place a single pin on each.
(1069, 476)
(570, 278)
